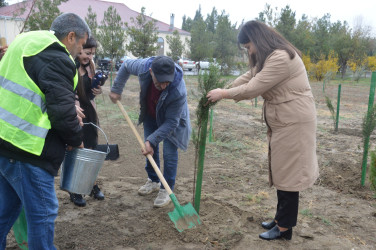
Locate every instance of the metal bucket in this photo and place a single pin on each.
(80, 168)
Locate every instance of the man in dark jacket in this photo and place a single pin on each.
(38, 120)
(163, 112)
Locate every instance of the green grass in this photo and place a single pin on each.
(306, 212)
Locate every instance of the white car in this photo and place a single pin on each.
(187, 64)
(206, 64)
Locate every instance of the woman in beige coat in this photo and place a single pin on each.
(279, 76)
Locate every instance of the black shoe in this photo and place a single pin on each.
(274, 233)
(96, 192)
(77, 199)
(268, 225)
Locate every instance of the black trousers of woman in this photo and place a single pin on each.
(287, 208)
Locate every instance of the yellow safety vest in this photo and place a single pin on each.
(23, 115)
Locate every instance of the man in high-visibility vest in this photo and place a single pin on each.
(38, 121)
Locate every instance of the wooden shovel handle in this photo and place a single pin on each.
(142, 144)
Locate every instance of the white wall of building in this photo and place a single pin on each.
(10, 27)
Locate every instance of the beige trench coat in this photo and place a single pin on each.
(290, 114)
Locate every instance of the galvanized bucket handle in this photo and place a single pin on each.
(108, 147)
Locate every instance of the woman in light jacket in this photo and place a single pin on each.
(277, 73)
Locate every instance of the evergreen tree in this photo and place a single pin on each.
(286, 24)
(303, 35)
(42, 14)
(226, 43)
(91, 20)
(111, 35)
(3, 3)
(143, 36)
(187, 24)
(211, 21)
(176, 46)
(341, 42)
(200, 44)
(320, 32)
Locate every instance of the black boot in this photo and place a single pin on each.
(274, 233)
(96, 192)
(77, 199)
(268, 225)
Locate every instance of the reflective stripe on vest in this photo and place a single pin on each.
(22, 124)
(24, 92)
(23, 114)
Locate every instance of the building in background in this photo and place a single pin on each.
(11, 24)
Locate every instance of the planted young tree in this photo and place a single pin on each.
(111, 35)
(42, 14)
(330, 106)
(207, 81)
(368, 125)
(176, 46)
(372, 172)
(143, 36)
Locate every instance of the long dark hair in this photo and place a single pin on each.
(84, 97)
(81, 90)
(266, 40)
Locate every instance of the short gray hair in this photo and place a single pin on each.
(70, 22)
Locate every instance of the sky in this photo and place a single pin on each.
(354, 12)
(363, 11)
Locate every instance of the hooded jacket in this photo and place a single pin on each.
(172, 108)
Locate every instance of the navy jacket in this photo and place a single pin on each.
(172, 108)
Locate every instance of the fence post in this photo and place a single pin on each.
(366, 140)
(338, 104)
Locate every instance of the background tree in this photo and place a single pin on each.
(111, 35)
(186, 24)
(341, 42)
(320, 32)
(3, 3)
(303, 35)
(176, 46)
(286, 24)
(91, 20)
(211, 21)
(200, 43)
(143, 35)
(42, 14)
(226, 43)
(268, 15)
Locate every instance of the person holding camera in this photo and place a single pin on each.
(89, 86)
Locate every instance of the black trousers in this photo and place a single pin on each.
(287, 208)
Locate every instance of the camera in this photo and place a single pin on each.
(99, 79)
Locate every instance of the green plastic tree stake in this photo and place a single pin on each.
(211, 126)
(20, 230)
(338, 104)
(201, 157)
(366, 140)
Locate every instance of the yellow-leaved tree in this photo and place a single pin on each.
(325, 68)
(357, 66)
(308, 64)
(371, 63)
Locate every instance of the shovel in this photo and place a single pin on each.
(183, 217)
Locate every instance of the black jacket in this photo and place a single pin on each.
(53, 71)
